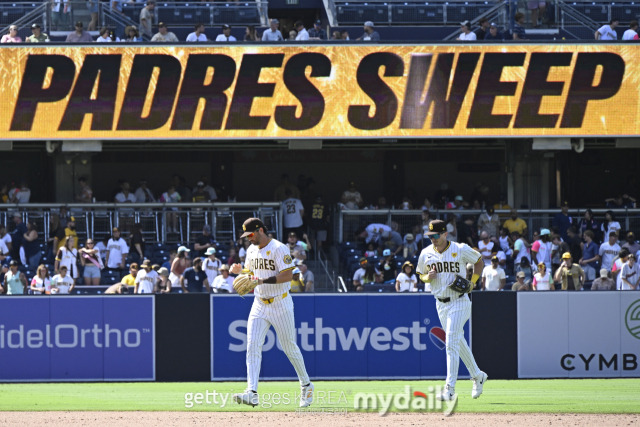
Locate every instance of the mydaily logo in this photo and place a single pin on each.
(318, 337)
(69, 336)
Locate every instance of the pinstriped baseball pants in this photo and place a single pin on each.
(280, 315)
(453, 315)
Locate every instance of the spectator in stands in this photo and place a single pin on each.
(92, 7)
(407, 280)
(608, 31)
(147, 18)
(279, 193)
(632, 32)
(13, 36)
(518, 27)
(514, 223)
(117, 289)
(369, 33)
(574, 243)
(345, 35)
(233, 256)
(319, 222)
(452, 228)
(250, 34)
(466, 33)
(387, 266)
(272, 34)
(198, 193)
(5, 237)
(117, 251)
(164, 35)
(223, 283)
(171, 196)
(616, 267)
(143, 194)
(589, 223)
(621, 201)
(493, 277)
(205, 241)
(130, 279)
(60, 13)
(92, 263)
(351, 198)
(293, 212)
(317, 33)
(132, 34)
(146, 280)
(14, 281)
(79, 35)
(136, 243)
(70, 231)
(292, 35)
(520, 284)
(62, 283)
(537, 9)
(467, 232)
(5, 255)
(17, 235)
(85, 195)
(610, 225)
(631, 243)
(297, 281)
(303, 34)
(603, 283)
(163, 285)
(307, 276)
(483, 30)
(562, 220)
(363, 275)
(570, 275)
(194, 280)
(105, 36)
(609, 250)
(125, 195)
(31, 246)
(21, 194)
(4, 198)
(541, 249)
(209, 190)
(409, 246)
(226, 34)
(198, 35)
(179, 265)
(630, 274)
(336, 35)
(40, 283)
(67, 256)
(486, 247)
(558, 247)
(589, 259)
(494, 35)
(172, 255)
(542, 279)
(211, 264)
(490, 222)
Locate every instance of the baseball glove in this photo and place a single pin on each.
(244, 283)
(461, 285)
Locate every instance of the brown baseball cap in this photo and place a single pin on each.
(436, 227)
(252, 225)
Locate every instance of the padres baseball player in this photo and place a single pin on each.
(270, 263)
(438, 265)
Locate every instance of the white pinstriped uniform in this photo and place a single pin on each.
(455, 313)
(264, 263)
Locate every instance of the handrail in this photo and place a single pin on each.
(111, 205)
(495, 10)
(105, 12)
(38, 11)
(324, 263)
(342, 287)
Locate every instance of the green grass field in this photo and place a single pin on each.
(605, 396)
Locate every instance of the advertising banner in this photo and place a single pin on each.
(340, 336)
(108, 92)
(578, 334)
(77, 338)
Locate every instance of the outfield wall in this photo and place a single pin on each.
(199, 337)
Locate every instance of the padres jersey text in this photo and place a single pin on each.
(451, 261)
(269, 261)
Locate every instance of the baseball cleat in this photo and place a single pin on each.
(306, 396)
(247, 398)
(446, 394)
(478, 384)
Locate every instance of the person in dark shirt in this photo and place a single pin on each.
(493, 35)
(482, 32)
(317, 32)
(194, 279)
(204, 241)
(137, 243)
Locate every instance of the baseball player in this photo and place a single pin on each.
(438, 265)
(271, 266)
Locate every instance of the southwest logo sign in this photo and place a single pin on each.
(632, 319)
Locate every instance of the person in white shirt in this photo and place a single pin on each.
(293, 211)
(374, 232)
(632, 32)
(61, 283)
(272, 34)
(164, 35)
(542, 279)
(630, 274)
(608, 31)
(67, 256)
(146, 279)
(407, 281)
(226, 35)
(223, 283)
(105, 36)
(143, 194)
(486, 248)
(467, 34)
(303, 34)
(198, 35)
(211, 265)
(117, 251)
(493, 277)
(609, 250)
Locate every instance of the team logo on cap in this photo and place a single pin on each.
(287, 259)
(430, 227)
(244, 227)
